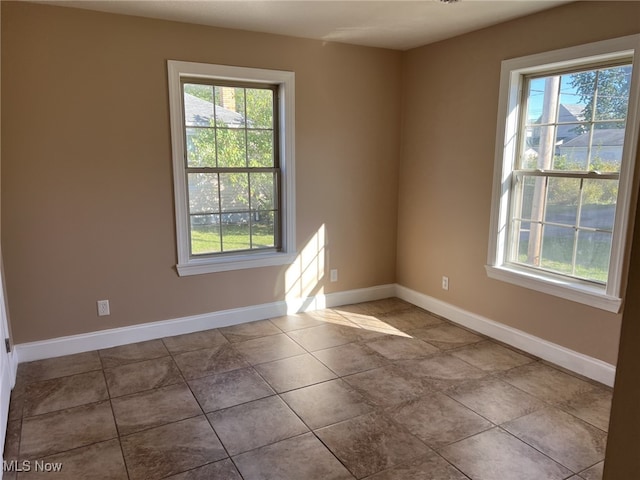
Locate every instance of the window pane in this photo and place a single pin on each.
(259, 108)
(260, 148)
(612, 99)
(522, 231)
(203, 193)
(234, 192)
(232, 150)
(592, 257)
(535, 96)
(576, 97)
(198, 105)
(230, 107)
(263, 191)
(263, 229)
(235, 232)
(557, 249)
(599, 203)
(562, 200)
(538, 148)
(205, 234)
(530, 184)
(606, 147)
(573, 149)
(201, 147)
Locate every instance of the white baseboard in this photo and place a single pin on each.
(56, 347)
(571, 360)
(582, 364)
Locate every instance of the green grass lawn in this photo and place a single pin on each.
(555, 258)
(206, 238)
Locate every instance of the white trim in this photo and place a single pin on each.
(188, 265)
(607, 297)
(556, 286)
(577, 362)
(590, 367)
(56, 347)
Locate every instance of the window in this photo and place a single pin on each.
(232, 143)
(563, 180)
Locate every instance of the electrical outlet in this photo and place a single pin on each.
(445, 283)
(333, 275)
(103, 308)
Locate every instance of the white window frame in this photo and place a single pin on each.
(606, 297)
(193, 265)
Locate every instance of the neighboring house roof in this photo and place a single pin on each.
(611, 137)
(571, 113)
(199, 112)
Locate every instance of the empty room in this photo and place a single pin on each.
(320, 240)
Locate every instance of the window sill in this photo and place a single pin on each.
(198, 266)
(586, 294)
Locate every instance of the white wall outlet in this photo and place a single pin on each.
(103, 308)
(445, 283)
(333, 275)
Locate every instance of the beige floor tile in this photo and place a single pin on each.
(563, 437)
(402, 348)
(406, 389)
(446, 336)
(495, 454)
(153, 408)
(326, 403)
(328, 316)
(593, 473)
(135, 352)
(65, 392)
(370, 443)
(437, 420)
(294, 372)
(411, 319)
(324, 336)
(430, 467)
(194, 341)
(170, 449)
(66, 429)
(297, 458)
(268, 349)
(229, 389)
(249, 331)
(141, 376)
(491, 357)
(209, 361)
(593, 406)
(546, 383)
(350, 358)
(495, 400)
(288, 323)
(12, 440)
(59, 367)
(221, 470)
(375, 307)
(387, 386)
(255, 424)
(442, 371)
(101, 461)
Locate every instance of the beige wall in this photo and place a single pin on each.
(450, 98)
(87, 205)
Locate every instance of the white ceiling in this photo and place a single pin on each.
(395, 24)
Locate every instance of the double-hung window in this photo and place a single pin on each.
(232, 139)
(563, 182)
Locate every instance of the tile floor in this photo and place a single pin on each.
(380, 390)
